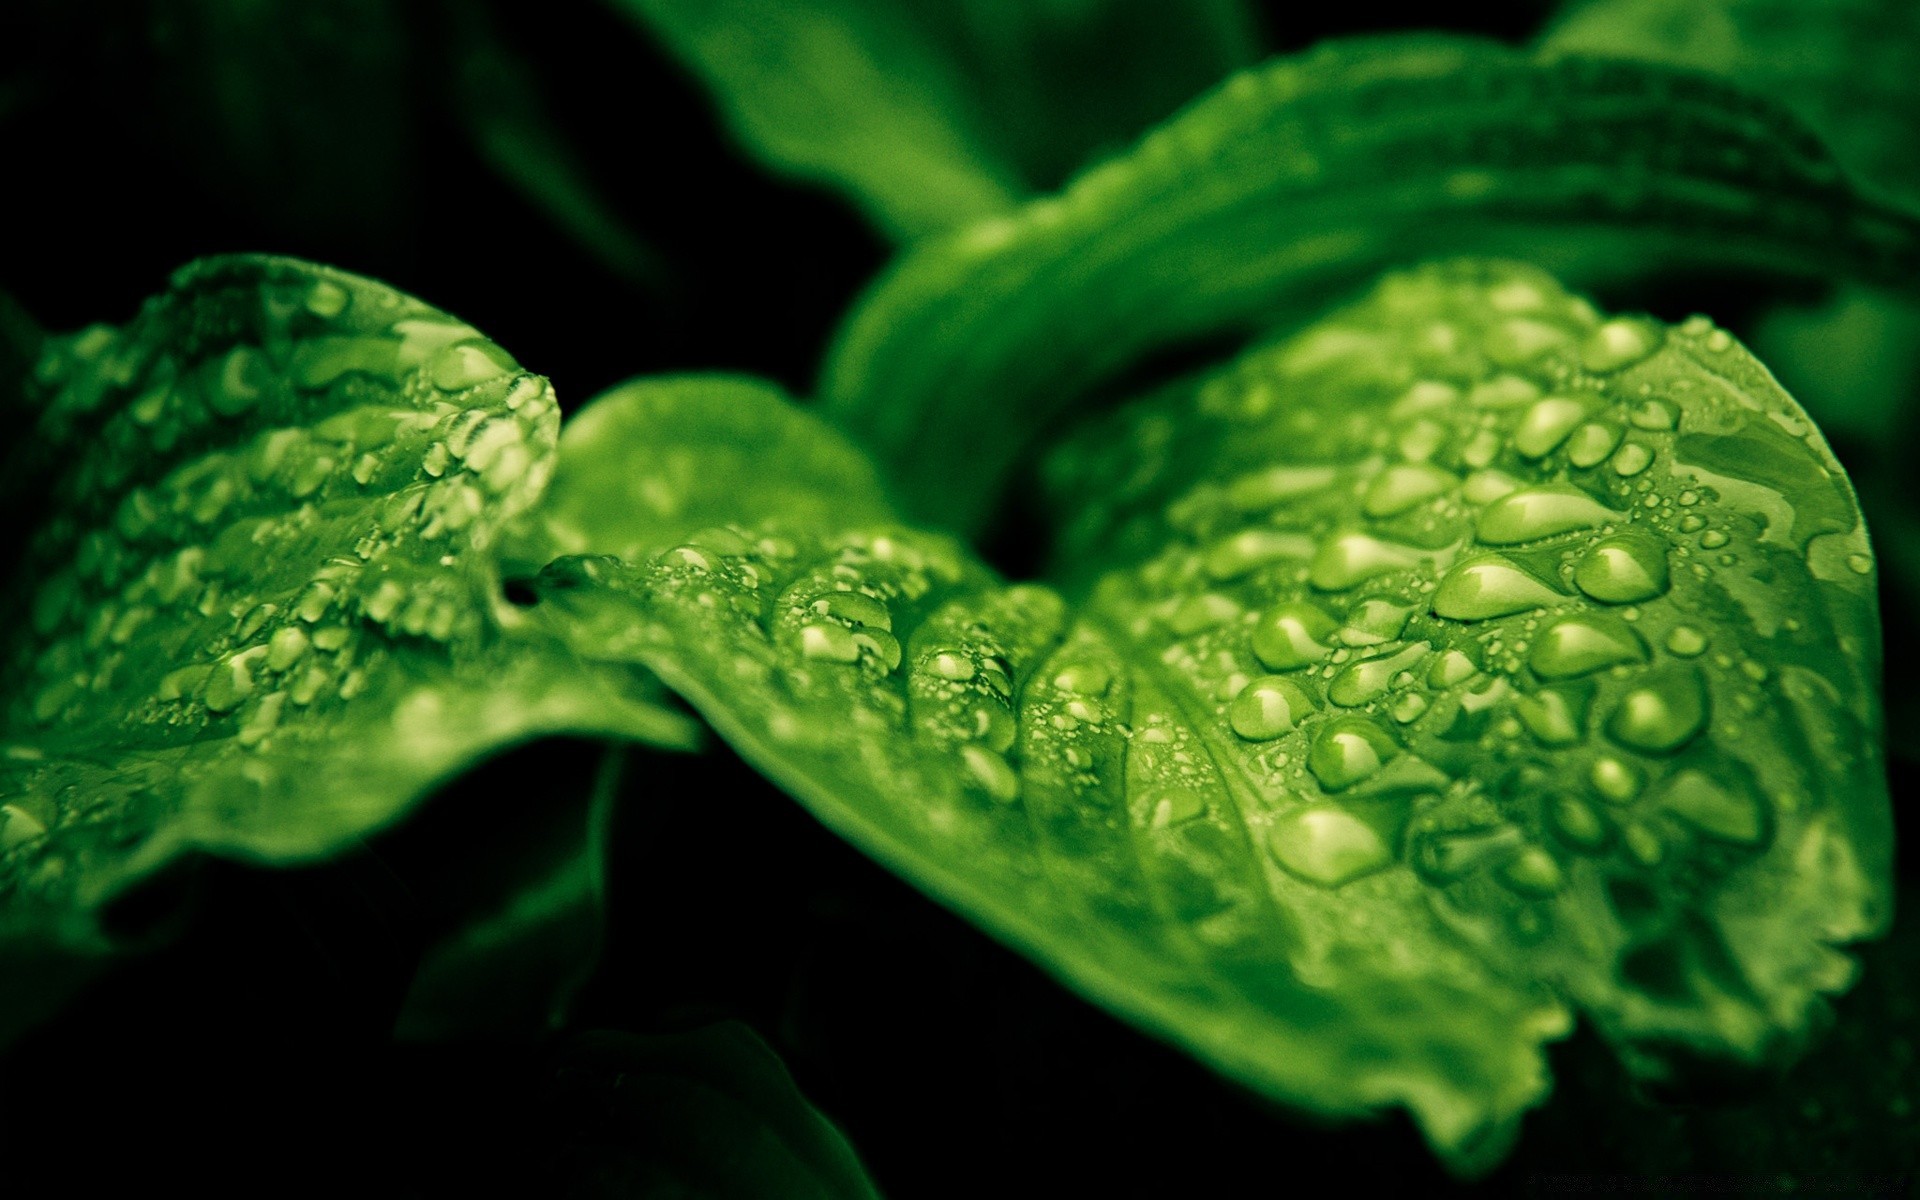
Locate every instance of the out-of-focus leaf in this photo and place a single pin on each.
(500, 105)
(1461, 662)
(303, 110)
(938, 113)
(259, 615)
(1851, 68)
(707, 1115)
(1299, 178)
(514, 970)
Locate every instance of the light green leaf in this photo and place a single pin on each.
(937, 113)
(710, 1114)
(1300, 178)
(1461, 663)
(259, 615)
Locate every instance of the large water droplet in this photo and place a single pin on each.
(1541, 512)
(1290, 636)
(1616, 781)
(1349, 559)
(1622, 570)
(829, 642)
(1552, 717)
(1489, 587)
(1546, 425)
(1348, 750)
(1268, 707)
(1618, 344)
(1590, 444)
(1401, 487)
(1533, 873)
(1197, 614)
(991, 773)
(1660, 715)
(1578, 644)
(1577, 823)
(1726, 814)
(1262, 490)
(1363, 681)
(1250, 549)
(1327, 846)
(465, 364)
(957, 668)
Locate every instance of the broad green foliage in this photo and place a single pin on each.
(1310, 174)
(1461, 663)
(932, 114)
(258, 616)
(710, 1114)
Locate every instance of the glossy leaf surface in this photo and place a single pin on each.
(1305, 176)
(1463, 662)
(257, 614)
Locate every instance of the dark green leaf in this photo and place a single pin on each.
(709, 1113)
(1462, 662)
(1304, 176)
(259, 615)
(937, 113)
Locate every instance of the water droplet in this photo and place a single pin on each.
(1533, 873)
(1546, 425)
(1622, 570)
(991, 772)
(1632, 459)
(1590, 444)
(326, 299)
(1197, 614)
(1616, 781)
(1726, 814)
(1503, 391)
(1175, 806)
(1244, 552)
(232, 681)
(829, 642)
(1084, 679)
(1450, 855)
(241, 380)
(1450, 668)
(1618, 344)
(1290, 636)
(955, 667)
(1367, 680)
(286, 646)
(857, 608)
(1551, 717)
(1408, 706)
(1660, 715)
(1713, 539)
(1484, 487)
(1577, 823)
(1349, 559)
(466, 364)
(1541, 512)
(1263, 490)
(1653, 415)
(1268, 707)
(1578, 644)
(1327, 846)
(1686, 641)
(1489, 587)
(1860, 564)
(1643, 844)
(1372, 622)
(18, 827)
(1348, 750)
(1401, 487)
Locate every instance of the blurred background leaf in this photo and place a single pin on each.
(934, 114)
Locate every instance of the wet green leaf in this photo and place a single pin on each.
(1302, 177)
(937, 113)
(1463, 662)
(258, 615)
(708, 1113)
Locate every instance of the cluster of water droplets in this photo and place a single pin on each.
(1472, 581)
(275, 482)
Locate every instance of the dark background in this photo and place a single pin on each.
(252, 1054)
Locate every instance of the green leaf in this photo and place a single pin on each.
(1302, 177)
(1462, 662)
(934, 114)
(259, 615)
(708, 1113)
(1847, 66)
